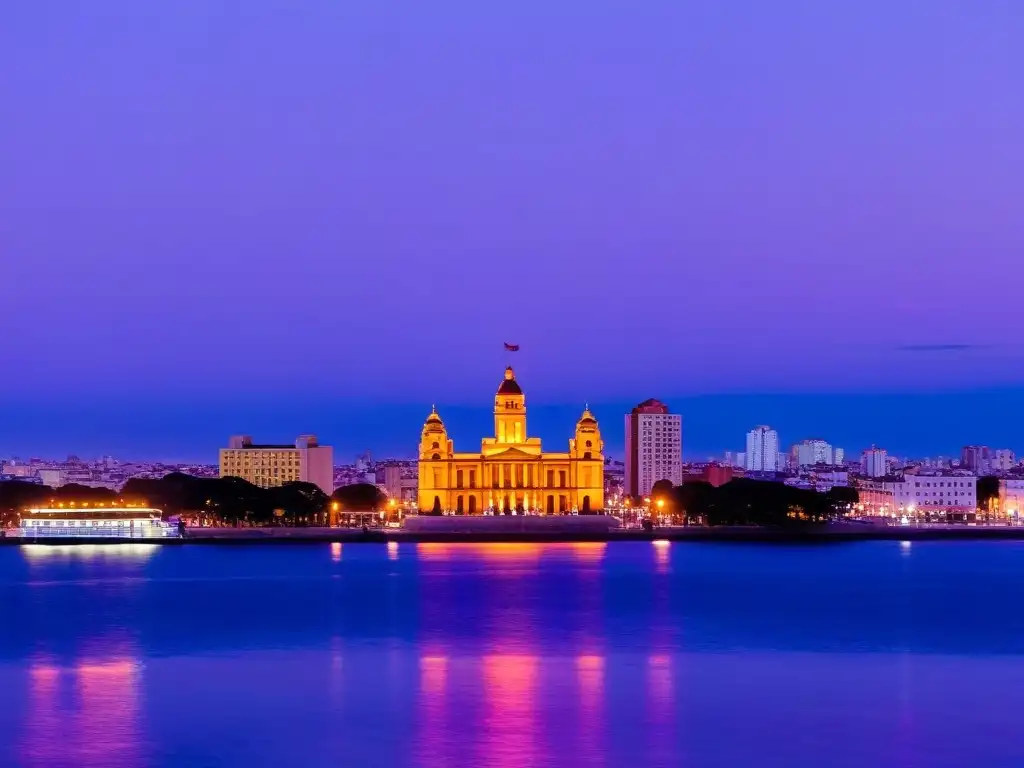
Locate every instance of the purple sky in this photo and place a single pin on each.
(347, 200)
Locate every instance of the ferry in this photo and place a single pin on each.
(98, 522)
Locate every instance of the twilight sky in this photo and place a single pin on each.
(277, 217)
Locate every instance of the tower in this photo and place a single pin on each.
(510, 411)
(586, 454)
(434, 442)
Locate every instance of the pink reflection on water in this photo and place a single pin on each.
(660, 687)
(510, 703)
(590, 678)
(97, 726)
(434, 735)
(42, 744)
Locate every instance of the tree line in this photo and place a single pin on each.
(752, 502)
(229, 500)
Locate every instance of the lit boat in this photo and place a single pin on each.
(95, 523)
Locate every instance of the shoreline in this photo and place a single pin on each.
(720, 534)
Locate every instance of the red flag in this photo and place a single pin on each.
(511, 347)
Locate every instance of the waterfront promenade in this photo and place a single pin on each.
(810, 534)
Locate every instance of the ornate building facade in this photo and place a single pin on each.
(511, 472)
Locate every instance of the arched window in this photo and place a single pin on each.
(589, 444)
(435, 446)
(436, 457)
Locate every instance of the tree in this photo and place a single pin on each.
(16, 495)
(662, 489)
(988, 491)
(299, 501)
(360, 497)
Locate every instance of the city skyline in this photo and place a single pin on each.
(903, 424)
(344, 211)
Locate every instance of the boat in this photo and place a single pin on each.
(95, 522)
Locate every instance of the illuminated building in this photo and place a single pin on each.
(269, 466)
(654, 447)
(874, 462)
(511, 472)
(95, 523)
(762, 453)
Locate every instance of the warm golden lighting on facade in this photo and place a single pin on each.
(511, 473)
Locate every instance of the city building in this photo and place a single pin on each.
(874, 462)
(762, 454)
(877, 496)
(269, 466)
(982, 460)
(1011, 496)
(654, 447)
(1003, 460)
(946, 493)
(811, 452)
(975, 458)
(511, 472)
(398, 480)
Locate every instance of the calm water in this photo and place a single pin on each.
(631, 654)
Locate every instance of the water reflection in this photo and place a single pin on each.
(140, 552)
(336, 551)
(590, 678)
(662, 554)
(392, 550)
(510, 700)
(87, 715)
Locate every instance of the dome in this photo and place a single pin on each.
(587, 418)
(433, 422)
(509, 385)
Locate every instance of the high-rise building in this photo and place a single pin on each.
(762, 453)
(975, 458)
(839, 456)
(269, 466)
(1003, 460)
(874, 462)
(654, 447)
(511, 472)
(811, 452)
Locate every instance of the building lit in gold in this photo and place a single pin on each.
(269, 466)
(511, 472)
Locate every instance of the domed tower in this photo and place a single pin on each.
(587, 443)
(434, 442)
(587, 451)
(510, 410)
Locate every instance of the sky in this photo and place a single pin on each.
(271, 218)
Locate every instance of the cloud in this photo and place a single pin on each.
(939, 347)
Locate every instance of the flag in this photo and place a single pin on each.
(511, 347)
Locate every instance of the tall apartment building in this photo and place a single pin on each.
(654, 447)
(874, 462)
(1003, 460)
(811, 452)
(762, 453)
(982, 460)
(269, 466)
(975, 458)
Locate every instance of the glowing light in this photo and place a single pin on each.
(128, 551)
(336, 551)
(662, 553)
(392, 550)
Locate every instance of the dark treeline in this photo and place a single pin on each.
(228, 500)
(754, 502)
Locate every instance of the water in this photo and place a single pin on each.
(629, 654)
